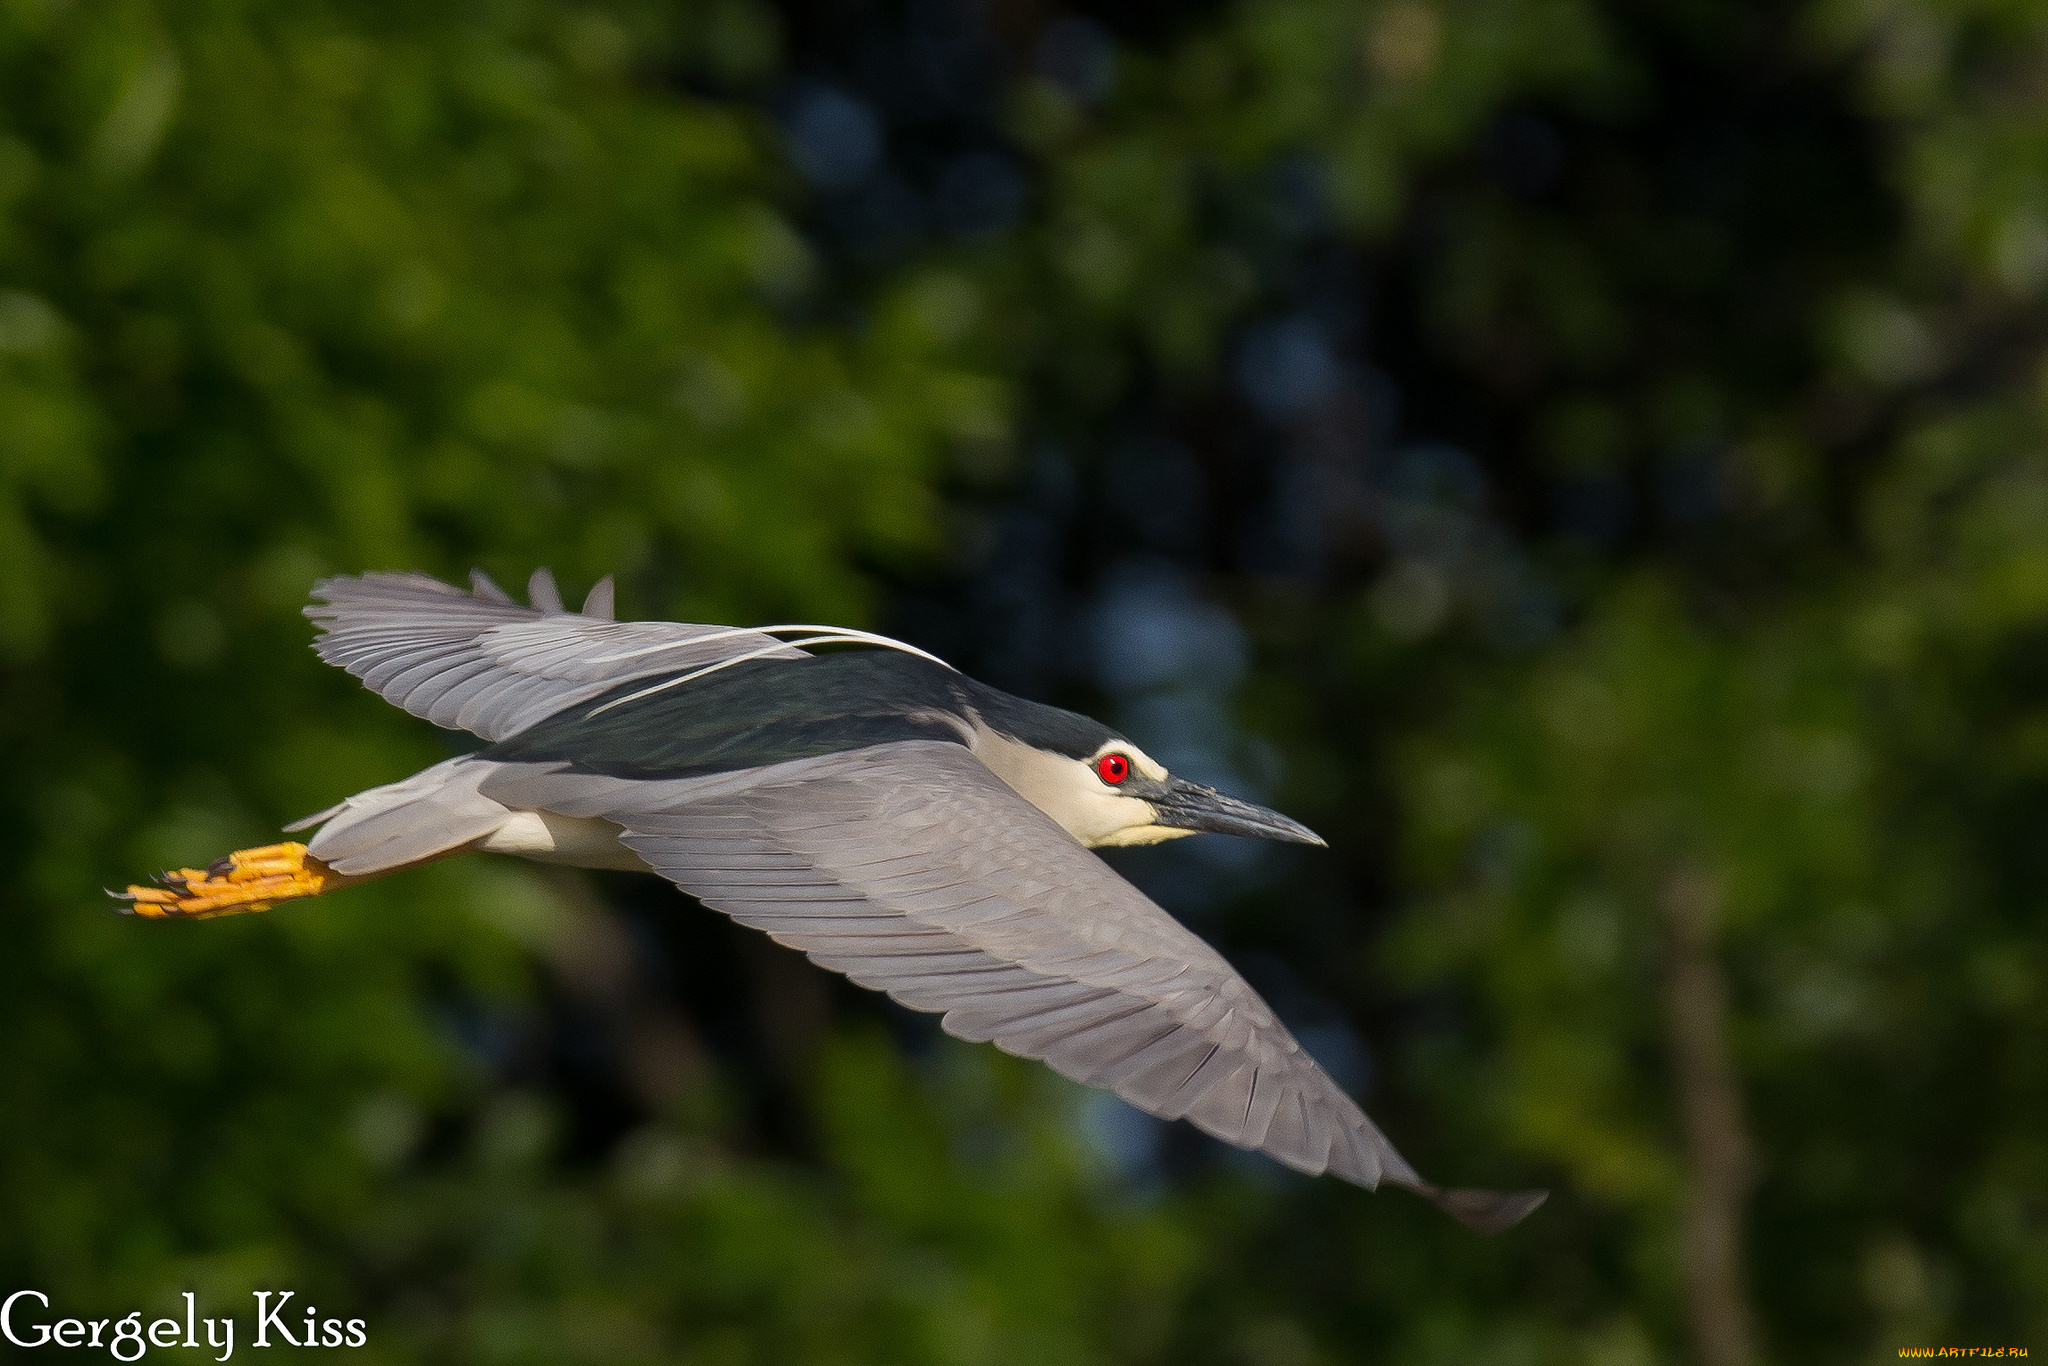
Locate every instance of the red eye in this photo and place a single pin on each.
(1113, 768)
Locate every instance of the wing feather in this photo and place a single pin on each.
(542, 592)
(479, 661)
(912, 869)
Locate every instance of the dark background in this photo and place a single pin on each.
(1584, 459)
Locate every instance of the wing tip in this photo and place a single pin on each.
(331, 593)
(482, 585)
(543, 594)
(336, 594)
(1486, 1212)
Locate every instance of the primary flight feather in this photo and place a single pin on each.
(922, 833)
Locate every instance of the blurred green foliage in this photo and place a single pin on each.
(287, 290)
(1819, 727)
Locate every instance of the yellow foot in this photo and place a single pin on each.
(246, 880)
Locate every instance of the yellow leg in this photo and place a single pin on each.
(246, 880)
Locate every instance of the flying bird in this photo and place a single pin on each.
(922, 833)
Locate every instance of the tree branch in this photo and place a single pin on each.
(1710, 1108)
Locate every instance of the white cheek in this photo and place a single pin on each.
(1139, 834)
(1065, 790)
(1103, 818)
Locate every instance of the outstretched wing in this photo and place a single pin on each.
(914, 870)
(482, 663)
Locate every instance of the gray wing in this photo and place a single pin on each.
(482, 663)
(914, 870)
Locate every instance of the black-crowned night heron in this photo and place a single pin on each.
(897, 821)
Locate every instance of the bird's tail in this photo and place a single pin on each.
(246, 880)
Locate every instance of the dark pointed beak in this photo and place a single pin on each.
(1190, 806)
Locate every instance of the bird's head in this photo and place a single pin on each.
(1116, 795)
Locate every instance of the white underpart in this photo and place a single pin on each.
(1072, 793)
(579, 841)
(440, 811)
